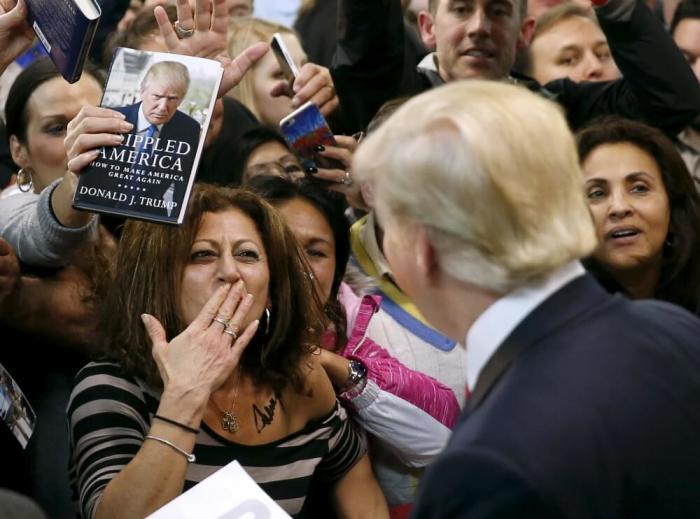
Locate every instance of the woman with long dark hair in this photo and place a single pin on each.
(646, 211)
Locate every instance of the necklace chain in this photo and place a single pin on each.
(229, 420)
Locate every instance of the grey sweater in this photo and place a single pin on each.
(28, 224)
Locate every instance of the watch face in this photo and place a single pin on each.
(357, 370)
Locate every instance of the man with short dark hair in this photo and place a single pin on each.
(480, 39)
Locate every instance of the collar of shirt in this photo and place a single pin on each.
(369, 240)
(143, 123)
(493, 326)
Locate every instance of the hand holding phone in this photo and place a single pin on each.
(306, 131)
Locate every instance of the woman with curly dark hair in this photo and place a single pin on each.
(221, 368)
(646, 211)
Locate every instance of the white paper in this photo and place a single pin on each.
(229, 493)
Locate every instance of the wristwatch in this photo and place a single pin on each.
(357, 372)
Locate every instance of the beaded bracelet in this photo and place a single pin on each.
(190, 457)
(180, 425)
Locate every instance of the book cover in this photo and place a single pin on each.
(169, 99)
(66, 29)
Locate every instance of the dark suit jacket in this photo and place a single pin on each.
(181, 127)
(596, 415)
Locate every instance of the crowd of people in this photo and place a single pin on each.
(481, 301)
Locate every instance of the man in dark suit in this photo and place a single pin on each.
(583, 404)
(158, 122)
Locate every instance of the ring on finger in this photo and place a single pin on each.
(347, 179)
(231, 332)
(221, 320)
(181, 32)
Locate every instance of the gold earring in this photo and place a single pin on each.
(24, 180)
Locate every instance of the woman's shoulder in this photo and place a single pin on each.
(317, 398)
(98, 377)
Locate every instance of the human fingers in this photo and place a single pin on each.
(347, 142)
(236, 321)
(337, 153)
(239, 345)
(337, 176)
(220, 17)
(281, 88)
(185, 16)
(225, 311)
(166, 28)
(318, 87)
(92, 119)
(155, 331)
(235, 69)
(209, 310)
(202, 15)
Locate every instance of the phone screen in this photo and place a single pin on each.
(289, 68)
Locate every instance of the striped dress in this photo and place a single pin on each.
(109, 414)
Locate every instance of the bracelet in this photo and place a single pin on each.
(173, 422)
(190, 457)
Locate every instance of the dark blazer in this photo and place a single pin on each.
(589, 409)
(181, 127)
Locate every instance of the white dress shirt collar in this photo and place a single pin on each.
(143, 123)
(493, 326)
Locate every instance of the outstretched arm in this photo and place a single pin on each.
(368, 63)
(658, 86)
(15, 34)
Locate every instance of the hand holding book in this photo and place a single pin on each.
(209, 39)
(15, 34)
(91, 129)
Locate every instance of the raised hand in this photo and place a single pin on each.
(314, 83)
(208, 38)
(91, 129)
(201, 358)
(15, 34)
(341, 179)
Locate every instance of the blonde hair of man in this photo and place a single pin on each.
(490, 170)
(244, 32)
(170, 73)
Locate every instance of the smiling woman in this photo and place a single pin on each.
(223, 369)
(646, 212)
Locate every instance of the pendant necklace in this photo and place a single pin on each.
(229, 420)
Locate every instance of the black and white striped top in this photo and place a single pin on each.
(109, 415)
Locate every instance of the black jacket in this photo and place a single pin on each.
(658, 86)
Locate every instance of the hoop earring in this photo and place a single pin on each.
(24, 180)
(267, 322)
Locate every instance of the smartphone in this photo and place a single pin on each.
(289, 68)
(304, 130)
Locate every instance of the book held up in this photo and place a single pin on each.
(169, 100)
(66, 29)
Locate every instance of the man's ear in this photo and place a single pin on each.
(19, 153)
(426, 256)
(426, 26)
(527, 30)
